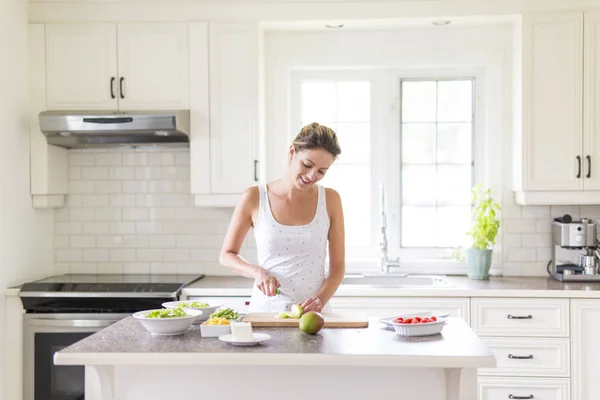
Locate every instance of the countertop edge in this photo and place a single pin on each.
(414, 292)
(184, 359)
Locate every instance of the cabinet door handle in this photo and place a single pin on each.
(589, 160)
(529, 357)
(510, 396)
(519, 316)
(121, 88)
(255, 170)
(112, 87)
(578, 166)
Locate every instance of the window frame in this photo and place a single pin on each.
(386, 169)
(415, 249)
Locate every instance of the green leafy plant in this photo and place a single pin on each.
(486, 223)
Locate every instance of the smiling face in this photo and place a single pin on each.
(309, 166)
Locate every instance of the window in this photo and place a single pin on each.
(437, 163)
(345, 107)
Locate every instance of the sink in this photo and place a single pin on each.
(400, 280)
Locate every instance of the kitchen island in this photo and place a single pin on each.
(125, 362)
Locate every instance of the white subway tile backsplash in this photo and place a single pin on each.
(135, 214)
(74, 173)
(81, 187)
(135, 159)
(83, 268)
(178, 255)
(520, 226)
(536, 212)
(522, 254)
(94, 200)
(123, 255)
(83, 242)
(121, 173)
(108, 187)
(590, 211)
(161, 214)
(511, 211)
(161, 187)
(176, 172)
(109, 242)
(68, 255)
(96, 255)
(81, 159)
(161, 241)
(544, 254)
(68, 228)
(109, 159)
(149, 254)
(112, 268)
(205, 255)
(149, 227)
(161, 159)
(147, 173)
(108, 214)
(182, 158)
(136, 268)
(95, 228)
(163, 268)
(61, 215)
(536, 240)
(148, 200)
(122, 200)
(559, 211)
(136, 241)
(177, 200)
(94, 173)
(544, 225)
(510, 240)
(135, 187)
(81, 214)
(122, 228)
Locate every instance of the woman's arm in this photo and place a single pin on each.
(337, 263)
(230, 257)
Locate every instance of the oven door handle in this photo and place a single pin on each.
(72, 323)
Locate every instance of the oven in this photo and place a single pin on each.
(60, 311)
(45, 334)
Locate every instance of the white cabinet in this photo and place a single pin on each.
(153, 66)
(585, 322)
(591, 100)
(391, 306)
(557, 152)
(224, 102)
(117, 66)
(81, 66)
(524, 388)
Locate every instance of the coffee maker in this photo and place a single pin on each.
(575, 255)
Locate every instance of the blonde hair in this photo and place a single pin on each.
(316, 136)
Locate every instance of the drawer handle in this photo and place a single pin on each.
(510, 396)
(519, 316)
(529, 357)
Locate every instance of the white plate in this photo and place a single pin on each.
(388, 321)
(258, 338)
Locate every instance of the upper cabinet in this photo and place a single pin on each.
(557, 149)
(117, 66)
(224, 149)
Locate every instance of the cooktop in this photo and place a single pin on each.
(83, 292)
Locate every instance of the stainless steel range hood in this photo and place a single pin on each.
(83, 129)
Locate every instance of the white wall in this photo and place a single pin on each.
(25, 235)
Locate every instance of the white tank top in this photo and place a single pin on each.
(294, 255)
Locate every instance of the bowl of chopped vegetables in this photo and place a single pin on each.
(215, 327)
(196, 305)
(166, 322)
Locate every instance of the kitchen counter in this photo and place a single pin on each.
(447, 362)
(128, 343)
(460, 287)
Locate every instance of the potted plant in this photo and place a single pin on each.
(483, 232)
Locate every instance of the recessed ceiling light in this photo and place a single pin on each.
(334, 26)
(441, 22)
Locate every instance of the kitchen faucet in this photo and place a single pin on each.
(385, 262)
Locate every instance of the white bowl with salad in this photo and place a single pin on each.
(195, 305)
(166, 322)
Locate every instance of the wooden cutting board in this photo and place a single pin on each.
(332, 320)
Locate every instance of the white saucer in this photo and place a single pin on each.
(388, 321)
(258, 338)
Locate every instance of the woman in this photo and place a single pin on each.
(293, 220)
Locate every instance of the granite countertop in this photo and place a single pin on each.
(460, 286)
(128, 343)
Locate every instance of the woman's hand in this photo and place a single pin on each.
(313, 303)
(266, 282)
